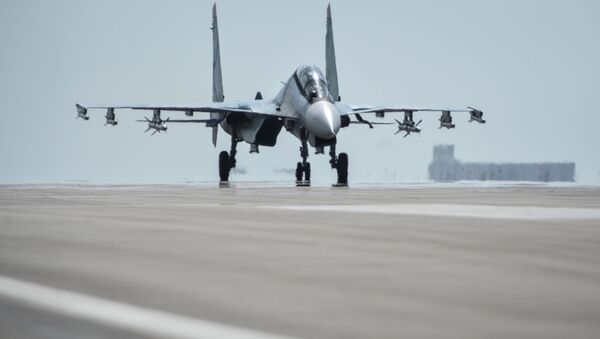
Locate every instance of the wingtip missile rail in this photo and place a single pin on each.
(82, 112)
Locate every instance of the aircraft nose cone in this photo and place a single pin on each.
(322, 119)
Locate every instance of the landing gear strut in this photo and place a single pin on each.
(339, 163)
(227, 161)
(303, 168)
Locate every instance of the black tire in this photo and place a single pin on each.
(224, 166)
(342, 168)
(299, 172)
(307, 171)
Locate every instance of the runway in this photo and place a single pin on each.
(254, 261)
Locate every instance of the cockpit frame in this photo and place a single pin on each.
(312, 84)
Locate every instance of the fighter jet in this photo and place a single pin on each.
(308, 106)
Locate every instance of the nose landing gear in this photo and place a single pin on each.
(303, 168)
(337, 162)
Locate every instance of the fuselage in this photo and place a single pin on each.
(305, 96)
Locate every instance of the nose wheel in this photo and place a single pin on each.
(338, 162)
(303, 174)
(303, 168)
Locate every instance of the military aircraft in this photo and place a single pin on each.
(309, 106)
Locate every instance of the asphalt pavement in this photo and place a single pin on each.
(256, 261)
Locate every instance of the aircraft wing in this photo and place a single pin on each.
(255, 107)
(344, 109)
(357, 110)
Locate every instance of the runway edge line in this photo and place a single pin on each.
(115, 314)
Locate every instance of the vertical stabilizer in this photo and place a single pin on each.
(330, 66)
(217, 76)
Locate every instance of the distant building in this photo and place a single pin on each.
(446, 168)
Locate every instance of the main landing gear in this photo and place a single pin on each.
(227, 162)
(339, 163)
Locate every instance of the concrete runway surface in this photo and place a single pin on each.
(253, 262)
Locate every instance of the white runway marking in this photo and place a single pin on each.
(457, 210)
(115, 314)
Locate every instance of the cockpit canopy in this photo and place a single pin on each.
(312, 83)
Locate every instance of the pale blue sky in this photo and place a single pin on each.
(532, 66)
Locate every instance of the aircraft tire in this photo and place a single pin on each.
(224, 166)
(342, 168)
(299, 172)
(307, 171)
